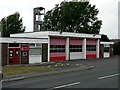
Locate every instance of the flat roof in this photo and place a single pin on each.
(46, 34)
(106, 42)
(22, 40)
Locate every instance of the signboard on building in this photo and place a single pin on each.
(106, 45)
(24, 48)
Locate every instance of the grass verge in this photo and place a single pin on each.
(13, 70)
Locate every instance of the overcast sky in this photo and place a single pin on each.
(108, 12)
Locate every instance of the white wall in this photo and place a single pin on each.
(0, 57)
(67, 48)
(106, 54)
(35, 59)
(35, 55)
(76, 55)
(84, 48)
(97, 48)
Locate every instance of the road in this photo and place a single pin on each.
(105, 75)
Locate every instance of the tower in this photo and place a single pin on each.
(38, 24)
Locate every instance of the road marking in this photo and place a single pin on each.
(108, 76)
(67, 85)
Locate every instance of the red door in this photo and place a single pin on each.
(14, 56)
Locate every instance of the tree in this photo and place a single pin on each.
(73, 17)
(104, 38)
(12, 24)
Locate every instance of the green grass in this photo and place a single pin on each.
(13, 70)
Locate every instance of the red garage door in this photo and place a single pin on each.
(57, 49)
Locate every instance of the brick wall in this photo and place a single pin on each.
(111, 50)
(101, 50)
(4, 54)
(44, 52)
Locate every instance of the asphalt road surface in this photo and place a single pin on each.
(105, 75)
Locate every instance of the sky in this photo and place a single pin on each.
(108, 12)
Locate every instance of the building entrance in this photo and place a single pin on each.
(14, 56)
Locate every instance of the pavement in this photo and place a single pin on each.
(62, 67)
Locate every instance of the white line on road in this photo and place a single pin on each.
(67, 85)
(108, 76)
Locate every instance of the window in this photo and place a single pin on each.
(90, 47)
(14, 45)
(11, 53)
(16, 53)
(106, 49)
(106, 45)
(35, 51)
(57, 48)
(75, 48)
(38, 45)
(32, 45)
(24, 53)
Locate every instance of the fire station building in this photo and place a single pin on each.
(50, 46)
